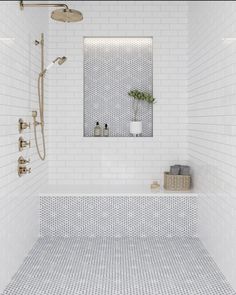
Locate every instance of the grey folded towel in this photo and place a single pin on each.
(184, 170)
(179, 170)
(175, 170)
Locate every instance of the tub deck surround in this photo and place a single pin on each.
(109, 190)
(116, 212)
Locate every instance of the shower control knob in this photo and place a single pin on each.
(22, 170)
(23, 143)
(23, 161)
(22, 125)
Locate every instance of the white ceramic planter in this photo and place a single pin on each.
(136, 128)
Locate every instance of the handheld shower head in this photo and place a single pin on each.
(59, 60)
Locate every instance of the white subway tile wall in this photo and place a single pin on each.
(212, 126)
(194, 117)
(74, 159)
(18, 198)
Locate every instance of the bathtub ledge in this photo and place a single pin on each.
(108, 191)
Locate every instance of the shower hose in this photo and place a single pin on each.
(42, 155)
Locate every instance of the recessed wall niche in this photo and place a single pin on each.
(112, 68)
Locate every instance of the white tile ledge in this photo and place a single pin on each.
(112, 190)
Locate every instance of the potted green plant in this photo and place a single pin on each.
(138, 97)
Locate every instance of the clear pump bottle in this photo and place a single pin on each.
(106, 131)
(97, 130)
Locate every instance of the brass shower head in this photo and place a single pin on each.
(59, 60)
(63, 15)
(67, 15)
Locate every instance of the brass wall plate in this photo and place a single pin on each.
(22, 125)
(20, 122)
(19, 171)
(21, 167)
(23, 143)
(20, 140)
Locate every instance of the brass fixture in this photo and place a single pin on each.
(67, 15)
(42, 155)
(41, 76)
(23, 161)
(22, 125)
(23, 5)
(59, 60)
(23, 143)
(22, 170)
(34, 114)
(63, 15)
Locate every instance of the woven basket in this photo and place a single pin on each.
(177, 182)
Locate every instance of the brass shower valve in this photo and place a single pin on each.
(22, 125)
(23, 143)
(23, 161)
(22, 170)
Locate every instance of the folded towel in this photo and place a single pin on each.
(184, 170)
(175, 170)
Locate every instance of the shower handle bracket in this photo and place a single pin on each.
(36, 123)
(34, 115)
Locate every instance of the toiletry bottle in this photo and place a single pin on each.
(106, 131)
(97, 130)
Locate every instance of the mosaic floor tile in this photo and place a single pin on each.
(118, 266)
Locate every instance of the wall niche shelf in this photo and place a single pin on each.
(112, 67)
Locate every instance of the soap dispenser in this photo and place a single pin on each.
(106, 131)
(97, 130)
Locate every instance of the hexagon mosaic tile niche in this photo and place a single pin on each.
(113, 67)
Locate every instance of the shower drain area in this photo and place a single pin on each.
(118, 266)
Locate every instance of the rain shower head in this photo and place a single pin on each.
(67, 15)
(64, 14)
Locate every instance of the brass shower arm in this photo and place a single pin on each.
(22, 5)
